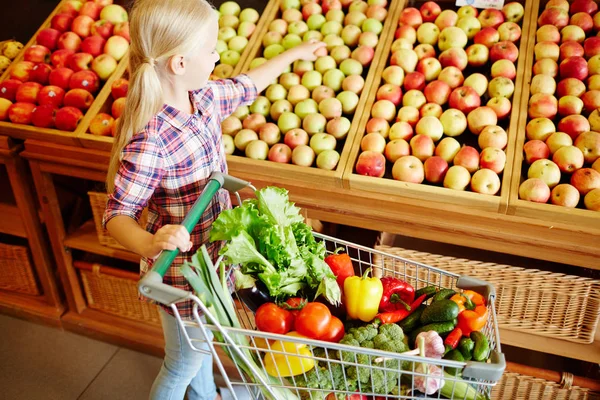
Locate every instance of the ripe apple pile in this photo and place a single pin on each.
(105, 123)
(562, 149)
(236, 26)
(55, 83)
(311, 106)
(435, 89)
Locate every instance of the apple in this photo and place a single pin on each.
(78, 98)
(594, 70)
(478, 82)
(592, 200)
(469, 25)
(407, 34)
(501, 87)
(413, 98)
(478, 55)
(270, 134)
(454, 122)
(40, 73)
(542, 84)
(408, 169)
(505, 50)
(501, 106)
(431, 110)
(542, 105)
(557, 140)
(314, 123)
(303, 156)
(572, 32)
(408, 114)
(82, 26)
(534, 189)
(414, 81)
(430, 68)
(593, 119)
(401, 130)
(583, 20)
(328, 160)
(48, 38)
(43, 116)
(446, 18)
(338, 127)
(321, 93)
(509, 31)
(481, 117)
(465, 99)
(485, 181)
(540, 129)
(101, 124)
(243, 138)
(295, 138)
(117, 46)
(430, 11)
(424, 51)
(569, 105)
(547, 50)
(51, 95)
(231, 126)
(410, 16)
(363, 55)
(395, 149)
(487, 37)
(457, 178)
(119, 88)
(574, 125)
(28, 92)
(565, 195)
(390, 92)
(545, 66)
(114, 14)
(583, 6)
(513, 11)
(548, 33)
(80, 62)
(591, 47)
(67, 118)
(228, 142)
(591, 100)
(257, 150)
(430, 126)
(355, 18)
(61, 22)
(370, 163)
(554, 16)
(373, 142)
(568, 159)
(331, 108)
(467, 11)
(60, 77)
(491, 18)
(574, 67)
(435, 169)
(382, 109)
(452, 37)
(437, 92)
(454, 57)
(535, 150)
(405, 59)
(545, 170)
(93, 45)
(428, 33)
(69, 41)
(21, 113)
(356, 83)
(452, 76)
(570, 86)
(492, 136)
(254, 122)
(422, 146)
(585, 180)
(122, 29)
(589, 144)
(37, 54)
(21, 70)
(369, 39)
(4, 106)
(372, 25)
(340, 53)
(87, 80)
(571, 49)
(320, 142)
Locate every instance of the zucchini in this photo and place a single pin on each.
(443, 295)
(459, 390)
(481, 349)
(412, 321)
(428, 290)
(454, 355)
(440, 311)
(465, 346)
(442, 328)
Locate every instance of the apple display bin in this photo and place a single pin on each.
(543, 303)
(104, 100)
(19, 131)
(481, 376)
(240, 165)
(436, 193)
(547, 213)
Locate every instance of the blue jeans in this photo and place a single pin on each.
(182, 366)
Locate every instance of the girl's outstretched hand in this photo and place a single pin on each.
(311, 50)
(170, 237)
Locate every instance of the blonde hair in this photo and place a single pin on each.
(159, 30)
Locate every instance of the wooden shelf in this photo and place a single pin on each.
(31, 308)
(563, 348)
(11, 221)
(85, 239)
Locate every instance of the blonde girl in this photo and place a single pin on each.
(167, 145)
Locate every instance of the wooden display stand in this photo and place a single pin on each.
(23, 220)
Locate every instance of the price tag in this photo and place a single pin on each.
(497, 4)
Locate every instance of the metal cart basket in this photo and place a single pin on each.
(340, 370)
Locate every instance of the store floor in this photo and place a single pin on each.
(46, 363)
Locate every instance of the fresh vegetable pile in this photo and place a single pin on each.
(294, 289)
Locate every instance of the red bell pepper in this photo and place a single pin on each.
(397, 295)
(453, 338)
(400, 314)
(341, 266)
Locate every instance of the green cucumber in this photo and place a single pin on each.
(442, 328)
(454, 355)
(443, 295)
(440, 311)
(412, 321)
(429, 291)
(465, 346)
(481, 349)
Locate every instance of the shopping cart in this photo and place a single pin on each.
(340, 370)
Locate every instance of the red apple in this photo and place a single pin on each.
(571, 48)
(583, 20)
(467, 157)
(296, 137)
(414, 81)
(504, 51)
(93, 45)
(390, 92)
(70, 7)
(90, 9)
(534, 189)
(87, 80)
(119, 105)
(371, 163)
(591, 46)
(574, 67)
(28, 92)
(454, 57)
(20, 113)
(378, 125)
(465, 99)
(48, 37)
(573, 125)
(79, 98)
(585, 180)
(21, 70)
(61, 22)
(60, 77)
(280, 153)
(8, 89)
(69, 41)
(570, 87)
(591, 100)
(103, 29)
(491, 18)
(119, 88)
(82, 26)
(437, 92)
(80, 61)
(102, 124)
(430, 11)
(37, 54)
(542, 105)
(535, 150)
(487, 36)
(43, 116)
(410, 16)
(40, 73)
(67, 118)
(435, 169)
(122, 29)
(60, 58)
(51, 95)
(554, 16)
(584, 6)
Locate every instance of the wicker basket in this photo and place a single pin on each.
(17, 272)
(98, 202)
(539, 302)
(115, 291)
(515, 386)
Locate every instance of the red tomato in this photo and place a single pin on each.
(294, 305)
(335, 331)
(272, 318)
(331, 396)
(313, 321)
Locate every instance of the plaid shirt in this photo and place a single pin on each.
(166, 166)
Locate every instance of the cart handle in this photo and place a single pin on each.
(167, 294)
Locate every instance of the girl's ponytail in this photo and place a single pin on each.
(159, 30)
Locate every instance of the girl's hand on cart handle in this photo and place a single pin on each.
(170, 237)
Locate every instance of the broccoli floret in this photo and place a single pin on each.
(361, 374)
(393, 331)
(394, 346)
(383, 382)
(348, 356)
(367, 344)
(380, 340)
(316, 378)
(364, 333)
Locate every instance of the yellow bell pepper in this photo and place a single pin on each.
(294, 359)
(362, 296)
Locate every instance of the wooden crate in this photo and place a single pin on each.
(428, 192)
(544, 212)
(514, 386)
(19, 131)
(243, 166)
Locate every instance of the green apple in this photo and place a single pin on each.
(372, 25)
(333, 78)
(246, 29)
(230, 8)
(287, 4)
(279, 107)
(331, 28)
(257, 62)
(312, 79)
(340, 53)
(221, 46)
(288, 121)
(303, 156)
(303, 66)
(297, 93)
(349, 101)
(454, 122)
(223, 71)
(291, 40)
(260, 106)
(257, 150)
(298, 28)
(316, 35)
(321, 142)
(328, 160)
(315, 22)
(276, 92)
(241, 112)
(244, 137)
(335, 15)
(273, 51)
(351, 67)
(249, 15)
(228, 144)
(314, 123)
(229, 20)
(350, 35)
(306, 107)
(271, 38)
(452, 37)
(237, 43)
(325, 63)
(338, 127)
(331, 108)
(226, 33)
(333, 41)
(359, 6)
(230, 57)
